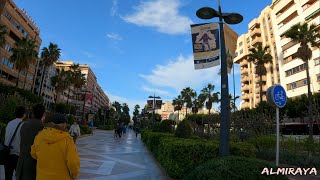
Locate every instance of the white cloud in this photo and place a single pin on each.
(162, 15)
(180, 73)
(114, 36)
(114, 8)
(156, 91)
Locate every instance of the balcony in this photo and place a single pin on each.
(281, 6)
(264, 78)
(264, 88)
(244, 70)
(244, 79)
(245, 88)
(255, 31)
(256, 41)
(285, 26)
(245, 105)
(313, 8)
(244, 63)
(287, 12)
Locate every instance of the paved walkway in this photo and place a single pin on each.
(104, 157)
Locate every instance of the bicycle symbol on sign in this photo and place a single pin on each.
(279, 96)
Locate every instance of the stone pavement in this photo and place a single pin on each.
(104, 157)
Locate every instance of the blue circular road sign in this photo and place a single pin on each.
(276, 96)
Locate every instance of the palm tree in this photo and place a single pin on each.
(23, 54)
(232, 102)
(186, 94)
(178, 103)
(49, 55)
(305, 35)
(209, 97)
(61, 82)
(76, 78)
(260, 56)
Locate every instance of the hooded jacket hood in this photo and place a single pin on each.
(53, 133)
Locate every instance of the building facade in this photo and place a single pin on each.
(261, 32)
(18, 25)
(286, 69)
(88, 99)
(292, 69)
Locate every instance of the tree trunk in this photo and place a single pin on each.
(260, 84)
(309, 102)
(25, 80)
(42, 79)
(178, 115)
(17, 83)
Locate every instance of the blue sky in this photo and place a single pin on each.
(135, 47)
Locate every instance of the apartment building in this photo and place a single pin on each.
(89, 98)
(166, 109)
(292, 69)
(18, 25)
(47, 91)
(286, 69)
(260, 32)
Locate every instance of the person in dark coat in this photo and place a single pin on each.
(26, 167)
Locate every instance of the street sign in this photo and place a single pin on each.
(276, 96)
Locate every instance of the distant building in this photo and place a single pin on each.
(89, 98)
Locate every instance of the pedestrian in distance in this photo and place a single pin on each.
(26, 167)
(75, 131)
(12, 139)
(137, 131)
(55, 152)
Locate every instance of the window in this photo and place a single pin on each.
(8, 48)
(7, 63)
(240, 44)
(241, 51)
(293, 85)
(248, 39)
(305, 82)
(7, 15)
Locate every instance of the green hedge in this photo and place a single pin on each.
(184, 129)
(84, 129)
(232, 168)
(178, 155)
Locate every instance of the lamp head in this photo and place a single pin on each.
(232, 18)
(207, 13)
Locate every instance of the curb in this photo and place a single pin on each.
(158, 164)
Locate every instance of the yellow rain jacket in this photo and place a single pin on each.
(56, 155)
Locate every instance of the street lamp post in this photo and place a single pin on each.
(153, 106)
(229, 18)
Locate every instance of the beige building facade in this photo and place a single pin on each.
(286, 69)
(88, 99)
(18, 25)
(292, 69)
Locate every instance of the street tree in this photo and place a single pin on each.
(306, 36)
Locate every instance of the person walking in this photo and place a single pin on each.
(74, 131)
(55, 152)
(26, 167)
(12, 138)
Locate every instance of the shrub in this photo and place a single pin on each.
(232, 168)
(242, 149)
(84, 129)
(71, 119)
(167, 126)
(264, 142)
(153, 140)
(184, 129)
(178, 156)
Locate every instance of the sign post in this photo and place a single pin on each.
(276, 96)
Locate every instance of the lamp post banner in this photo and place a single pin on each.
(205, 42)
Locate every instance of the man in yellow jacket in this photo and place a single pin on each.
(55, 152)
